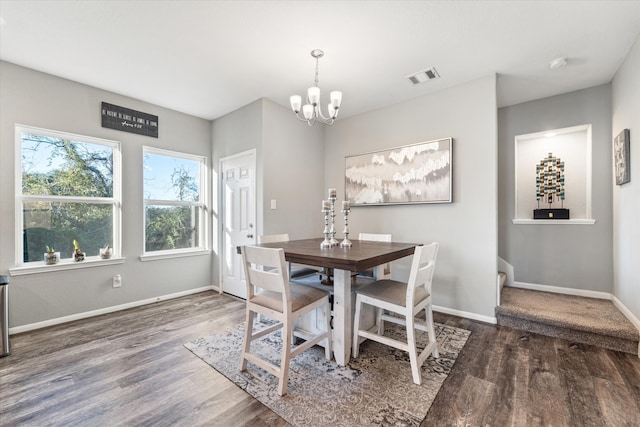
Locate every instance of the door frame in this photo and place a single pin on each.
(221, 206)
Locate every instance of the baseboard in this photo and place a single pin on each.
(560, 290)
(465, 314)
(78, 316)
(628, 314)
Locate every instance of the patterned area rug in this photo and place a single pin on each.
(374, 389)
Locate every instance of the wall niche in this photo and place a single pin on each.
(572, 145)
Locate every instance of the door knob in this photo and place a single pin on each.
(249, 236)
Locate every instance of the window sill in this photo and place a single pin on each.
(171, 254)
(554, 221)
(41, 267)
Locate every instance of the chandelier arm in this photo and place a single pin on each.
(311, 121)
(302, 119)
(325, 119)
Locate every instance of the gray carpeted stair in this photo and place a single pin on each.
(578, 319)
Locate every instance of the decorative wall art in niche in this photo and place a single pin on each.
(550, 188)
(418, 173)
(621, 146)
(571, 149)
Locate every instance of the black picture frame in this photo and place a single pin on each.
(128, 120)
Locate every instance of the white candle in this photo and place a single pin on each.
(325, 205)
(346, 205)
(332, 192)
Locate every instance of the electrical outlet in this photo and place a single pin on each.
(117, 281)
(273, 204)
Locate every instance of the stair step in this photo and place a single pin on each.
(580, 319)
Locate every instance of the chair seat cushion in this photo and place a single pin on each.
(301, 296)
(392, 291)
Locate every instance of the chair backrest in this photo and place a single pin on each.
(265, 268)
(422, 267)
(375, 237)
(273, 238)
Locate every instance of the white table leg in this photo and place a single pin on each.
(342, 316)
(378, 272)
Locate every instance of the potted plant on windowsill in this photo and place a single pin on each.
(78, 255)
(105, 253)
(51, 257)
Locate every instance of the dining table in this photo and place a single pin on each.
(343, 262)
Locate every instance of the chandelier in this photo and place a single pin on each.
(311, 111)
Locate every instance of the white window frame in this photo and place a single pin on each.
(22, 268)
(202, 204)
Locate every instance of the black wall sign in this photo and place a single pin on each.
(128, 120)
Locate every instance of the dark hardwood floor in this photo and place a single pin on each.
(130, 368)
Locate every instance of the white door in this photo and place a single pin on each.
(238, 217)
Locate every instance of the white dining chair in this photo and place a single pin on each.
(403, 302)
(299, 271)
(283, 302)
(386, 269)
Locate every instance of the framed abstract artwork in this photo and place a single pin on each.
(418, 173)
(621, 146)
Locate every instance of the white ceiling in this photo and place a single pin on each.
(208, 58)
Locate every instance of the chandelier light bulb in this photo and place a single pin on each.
(307, 110)
(313, 93)
(336, 98)
(332, 111)
(296, 102)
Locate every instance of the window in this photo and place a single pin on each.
(174, 202)
(68, 188)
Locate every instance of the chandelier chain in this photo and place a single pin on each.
(317, 80)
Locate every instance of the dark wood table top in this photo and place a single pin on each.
(362, 255)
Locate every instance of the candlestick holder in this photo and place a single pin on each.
(346, 243)
(326, 243)
(332, 213)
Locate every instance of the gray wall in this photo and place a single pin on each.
(234, 133)
(294, 174)
(626, 198)
(465, 276)
(289, 156)
(572, 256)
(32, 98)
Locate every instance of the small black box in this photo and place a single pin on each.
(551, 214)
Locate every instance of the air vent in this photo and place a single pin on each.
(423, 76)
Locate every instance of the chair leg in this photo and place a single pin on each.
(246, 345)
(328, 349)
(356, 327)
(283, 378)
(379, 321)
(431, 331)
(413, 351)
